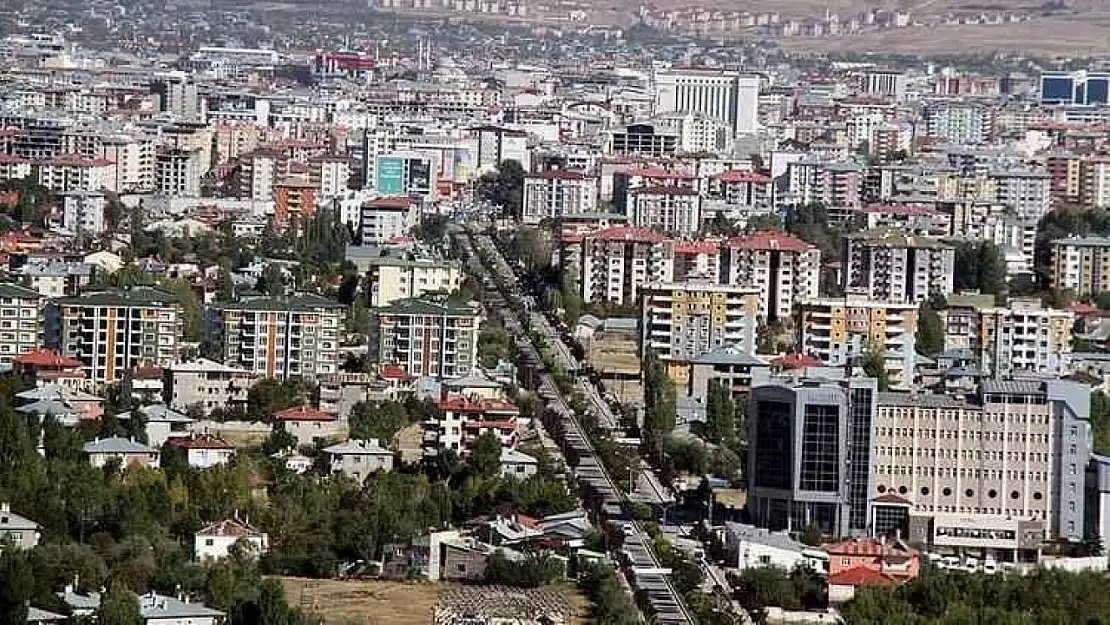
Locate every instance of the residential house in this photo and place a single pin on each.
(869, 562)
(306, 424)
(203, 450)
(359, 458)
(154, 609)
(207, 384)
(162, 423)
(46, 366)
(748, 547)
(517, 464)
(128, 452)
(21, 531)
(215, 541)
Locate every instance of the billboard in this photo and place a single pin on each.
(390, 175)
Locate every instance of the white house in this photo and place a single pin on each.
(517, 464)
(204, 450)
(162, 422)
(357, 459)
(294, 461)
(306, 423)
(128, 452)
(21, 531)
(215, 541)
(753, 547)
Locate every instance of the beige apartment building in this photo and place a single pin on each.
(21, 321)
(207, 384)
(395, 279)
(1081, 265)
(840, 331)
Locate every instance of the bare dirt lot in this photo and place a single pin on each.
(378, 602)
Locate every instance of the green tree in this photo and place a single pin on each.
(225, 285)
(272, 281)
(930, 330)
(504, 188)
(190, 306)
(811, 535)
(874, 366)
(1100, 422)
(119, 606)
(380, 420)
(720, 414)
(17, 586)
(659, 404)
(485, 458)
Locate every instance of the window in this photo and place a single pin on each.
(208, 542)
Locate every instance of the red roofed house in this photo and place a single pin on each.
(616, 262)
(306, 424)
(554, 193)
(463, 419)
(791, 362)
(203, 450)
(869, 562)
(783, 267)
(215, 541)
(697, 260)
(48, 366)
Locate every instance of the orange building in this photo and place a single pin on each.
(294, 200)
(869, 562)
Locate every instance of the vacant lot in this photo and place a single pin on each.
(375, 602)
(364, 602)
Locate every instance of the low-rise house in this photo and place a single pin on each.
(306, 424)
(47, 366)
(463, 419)
(147, 383)
(21, 531)
(752, 547)
(162, 423)
(207, 384)
(731, 365)
(571, 528)
(127, 451)
(359, 458)
(216, 540)
(869, 562)
(203, 450)
(154, 609)
(39, 616)
(294, 461)
(62, 412)
(517, 464)
(89, 405)
(509, 530)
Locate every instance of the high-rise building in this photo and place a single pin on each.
(680, 322)
(729, 97)
(960, 123)
(783, 268)
(999, 472)
(891, 266)
(1081, 265)
(21, 321)
(115, 330)
(554, 193)
(280, 337)
(383, 219)
(840, 332)
(616, 262)
(431, 336)
(676, 210)
(810, 454)
(1023, 338)
(393, 279)
(1075, 87)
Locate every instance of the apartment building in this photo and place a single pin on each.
(115, 330)
(177, 172)
(207, 384)
(280, 337)
(1081, 265)
(68, 172)
(1026, 192)
(461, 420)
(746, 190)
(839, 332)
(393, 279)
(1094, 182)
(959, 123)
(891, 266)
(431, 336)
(1023, 338)
(21, 321)
(554, 193)
(330, 173)
(616, 262)
(783, 268)
(295, 201)
(14, 167)
(995, 474)
(833, 184)
(680, 322)
(83, 212)
(810, 453)
(383, 219)
(675, 210)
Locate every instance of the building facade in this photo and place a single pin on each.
(22, 317)
(784, 269)
(395, 279)
(841, 332)
(1081, 265)
(554, 193)
(616, 262)
(428, 336)
(894, 267)
(280, 337)
(729, 97)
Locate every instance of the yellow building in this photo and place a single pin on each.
(840, 331)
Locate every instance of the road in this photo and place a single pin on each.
(638, 559)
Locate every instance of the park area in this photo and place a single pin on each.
(383, 602)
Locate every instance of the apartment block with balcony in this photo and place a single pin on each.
(675, 210)
(554, 193)
(294, 337)
(22, 318)
(891, 266)
(1081, 265)
(113, 331)
(681, 321)
(1024, 338)
(783, 268)
(393, 279)
(431, 336)
(994, 474)
(207, 384)
(462, 419)
(617, 262)
(839, 332)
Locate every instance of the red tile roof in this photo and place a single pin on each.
(76, 160)
(629, 233)
(705, 246)
(458, 403)
(303, 413)
(736, 175)
(560, 174)
(861, 576)
(796, 361)
(900, 209)
(1081, 309)
(871, 547)
(198, 441)
(665, 190)
(395, 202)
(659, 172)
(43, 357)
(393, 372)
(9, 159)
(770, 240)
